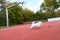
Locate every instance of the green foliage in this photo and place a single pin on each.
(49, 5)
(15, 15)
(2, 19)
(2, 1)
(28, 15)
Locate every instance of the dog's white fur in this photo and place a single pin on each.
(36, 25)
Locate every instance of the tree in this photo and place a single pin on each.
(49, 6)
(2, 13)
(58, 2)
(3, 3)
(15, 14)
(28, 15)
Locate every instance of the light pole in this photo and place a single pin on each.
(7, 19)
(7, 16)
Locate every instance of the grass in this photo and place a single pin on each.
(2, 27)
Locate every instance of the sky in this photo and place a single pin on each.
(33, 5)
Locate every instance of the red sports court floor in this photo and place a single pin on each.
(48, 31)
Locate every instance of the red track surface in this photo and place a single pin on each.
(48, 31)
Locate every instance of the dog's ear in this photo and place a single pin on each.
(36, 22)
(33, 22)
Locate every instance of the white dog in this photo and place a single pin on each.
(36, 25)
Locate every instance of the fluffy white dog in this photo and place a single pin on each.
(36, 25)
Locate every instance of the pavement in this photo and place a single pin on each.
(48, 31)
